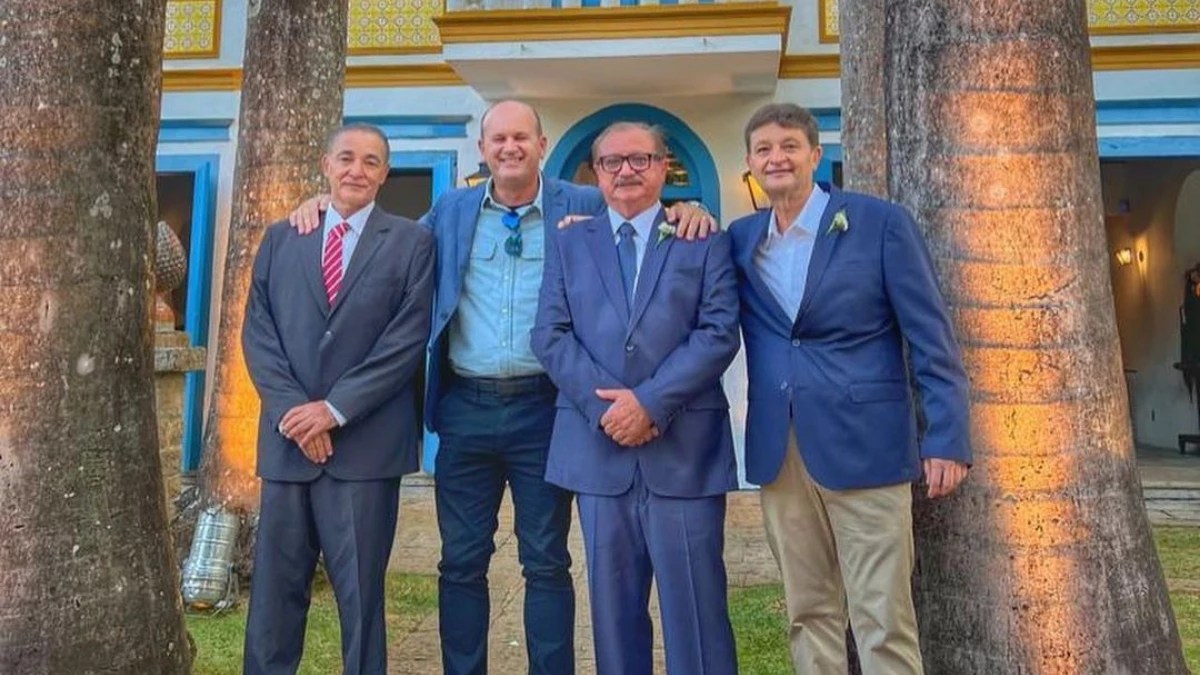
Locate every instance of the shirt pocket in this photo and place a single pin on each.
(483, 248)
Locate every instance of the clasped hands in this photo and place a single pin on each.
(626, 421)
(309, 425)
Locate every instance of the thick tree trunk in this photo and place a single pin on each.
(88, 580)
(864, 103)
(1043, 563)
(293, 74)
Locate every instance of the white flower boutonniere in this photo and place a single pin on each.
(840, 223)
(665, 231)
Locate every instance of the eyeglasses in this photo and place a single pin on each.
(639, 161)
(512, 220)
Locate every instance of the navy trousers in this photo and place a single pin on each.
(493, 433)
(354, 524)
(633, 538)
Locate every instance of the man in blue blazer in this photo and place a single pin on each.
(334, 331)
(489, 399)
(635, 327)
(833, 286)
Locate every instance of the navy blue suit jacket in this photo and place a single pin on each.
(452, 220)
(835, 373)
(670, 348)
(360, 355)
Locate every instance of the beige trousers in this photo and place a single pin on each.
(835, 546)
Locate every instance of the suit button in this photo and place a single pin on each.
(796, 343)
(328, 333)
(783, 386)
(629, 349)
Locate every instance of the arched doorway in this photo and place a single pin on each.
(692, 175)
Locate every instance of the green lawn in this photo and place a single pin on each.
(219, 638)
(756, 612)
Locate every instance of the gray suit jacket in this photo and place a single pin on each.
(360, 354)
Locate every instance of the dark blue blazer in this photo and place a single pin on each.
(452, 221)
(835, 373)
(670, 348)
(360, 355)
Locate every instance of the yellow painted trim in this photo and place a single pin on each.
(415, 75)
(395, 51)
(1146, 57)
(827, 36)
(213, 79)
(606, 23)
(810, 66)
(213, 53)
(1145, 30)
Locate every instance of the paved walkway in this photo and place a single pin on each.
(1171, 484)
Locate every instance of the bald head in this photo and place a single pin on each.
(511, 108)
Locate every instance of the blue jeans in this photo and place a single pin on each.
(495, 432)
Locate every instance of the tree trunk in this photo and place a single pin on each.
(87, 574)
(864, 103)
(293, 74)
(1044, 562)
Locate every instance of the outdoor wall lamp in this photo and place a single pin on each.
(480, 176)
(758, 197)
(1124, 256)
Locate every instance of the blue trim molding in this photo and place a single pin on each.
(576, 146)
(443, 164)
(417, 126)
(205, 170)
(194, 130)
(1148, 146)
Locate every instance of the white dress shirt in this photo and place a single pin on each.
(643, 227)
(782, 258)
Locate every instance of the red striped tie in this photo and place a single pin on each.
(331, 262)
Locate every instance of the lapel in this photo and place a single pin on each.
(822, 250)
(312, 248)
(755, 237)
(372, 236)
(554, 206)
(652, 267)
(604, 250)
(463, 220)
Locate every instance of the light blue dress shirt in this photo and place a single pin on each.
(489, 336)
(782, 258)
(357, 223)
(643, 226)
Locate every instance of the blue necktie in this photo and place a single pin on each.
(627, 258)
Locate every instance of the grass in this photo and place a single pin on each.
(219, 638)
(756, 612)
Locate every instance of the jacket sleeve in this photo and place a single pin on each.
(266, 360)
(693, 366)
(399, 349)
(925, 324)
(567, 362)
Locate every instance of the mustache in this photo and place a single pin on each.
(624, 182)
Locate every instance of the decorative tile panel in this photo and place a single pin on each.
(193, 29)
(393, 26)
(1104, 16)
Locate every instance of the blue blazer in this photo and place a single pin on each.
(835, 373)
(670, 348)
(452, 221)
(361, 355)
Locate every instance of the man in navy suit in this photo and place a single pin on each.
(334, 331)
(489, 399)
(636, 326)
(833, 285)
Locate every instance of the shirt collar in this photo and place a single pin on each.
(489, 203)
(809, 218)
(357, 222)
(642, 222)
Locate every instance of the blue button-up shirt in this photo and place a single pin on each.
(643, 229)
(782, 258)
(489, 336)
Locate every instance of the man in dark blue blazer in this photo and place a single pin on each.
(635, 327)
(833, 286)
(489, 399)
(334, 332)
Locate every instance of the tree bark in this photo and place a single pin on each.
(88, 579)
(1043, 563)
(863, 38)
(293, 75)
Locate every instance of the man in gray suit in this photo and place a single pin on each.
(335, 328)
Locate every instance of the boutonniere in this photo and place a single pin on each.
(665, 231)
(840, 223)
